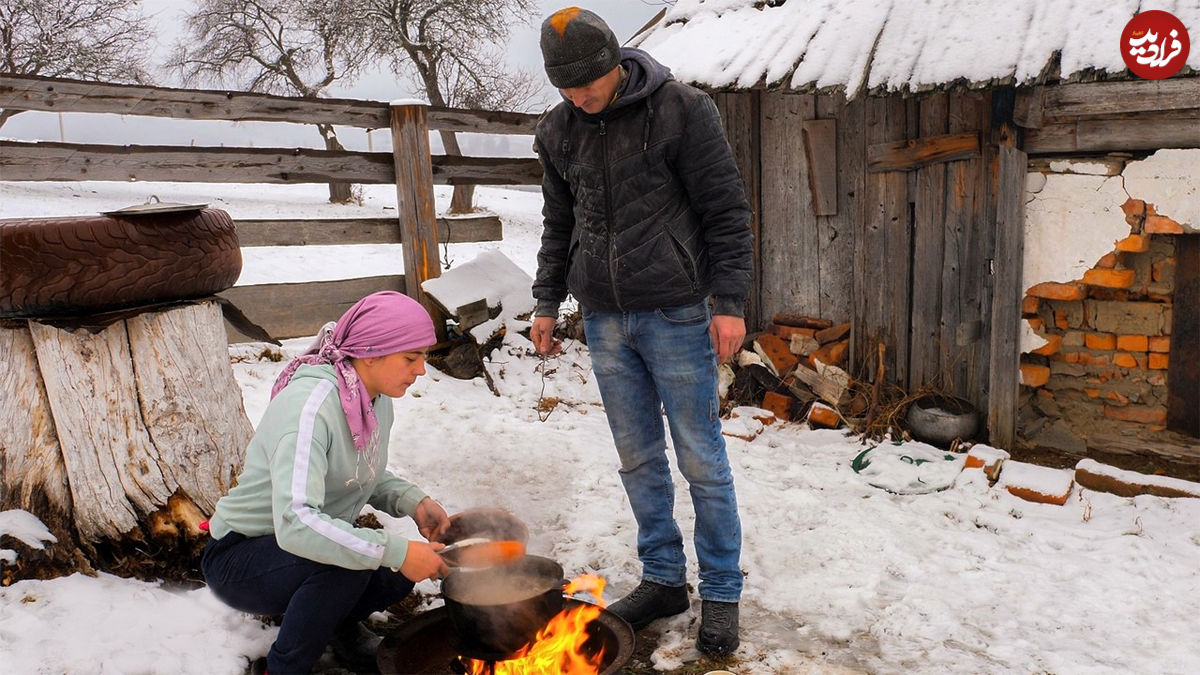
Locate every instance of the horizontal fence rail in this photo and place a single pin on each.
(21, 161)
(23, 92)
(285, 310)
(300, 309)
(343, 231)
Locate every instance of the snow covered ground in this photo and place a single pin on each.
(840, 576)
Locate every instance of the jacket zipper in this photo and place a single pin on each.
(608, 215)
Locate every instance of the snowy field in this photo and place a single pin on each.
(840, 576)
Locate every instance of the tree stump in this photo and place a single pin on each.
(120, 441)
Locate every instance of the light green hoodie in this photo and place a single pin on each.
(304, 481)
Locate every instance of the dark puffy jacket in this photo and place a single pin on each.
(644, 206)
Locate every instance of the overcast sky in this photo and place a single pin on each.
(624, 16)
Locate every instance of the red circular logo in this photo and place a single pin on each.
(1154, 45)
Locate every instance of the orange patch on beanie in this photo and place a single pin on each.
(562, 17)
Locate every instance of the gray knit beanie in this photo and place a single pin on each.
(577, 47)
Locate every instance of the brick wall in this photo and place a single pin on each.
(1104, 365)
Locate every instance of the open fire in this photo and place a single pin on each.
(559, 647)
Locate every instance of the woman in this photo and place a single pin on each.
(284, 540)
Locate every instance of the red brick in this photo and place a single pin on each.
(779, 404)
(1096, 476)
(1107, 262)
(1162, 225)
(1134, 243)
(1124, 360)
(1037, 483)
(1052, 290)
(1163, 270)
(1109, 278)
(985, 457)
(1116, 397)
(1134, 208)
(1029, 305)
(1093, 359)
(1133, 343)
(778, 352)
(1158, 361)
(821, 416)
(832, 354)
(1160, 343)
(1053, 346)
(1101, 341)
(1033, 375)
(1138, 414)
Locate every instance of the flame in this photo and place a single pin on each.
(558, 647)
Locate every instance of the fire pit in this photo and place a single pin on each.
(428, 644)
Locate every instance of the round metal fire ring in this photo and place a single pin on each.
(426, 644)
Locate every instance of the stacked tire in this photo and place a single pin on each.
(81, 265)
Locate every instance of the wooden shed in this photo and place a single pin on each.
(886, 148)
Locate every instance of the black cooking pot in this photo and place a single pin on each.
(497, 610)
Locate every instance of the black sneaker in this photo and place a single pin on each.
(355, 647)
(650, 601)
(718, 628)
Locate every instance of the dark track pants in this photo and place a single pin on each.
(254, 575)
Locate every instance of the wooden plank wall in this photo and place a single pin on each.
(740, 114)
(835, 238)
(1003, 347)
(929, 249)
(801, 258)
(882, 256)
(907, 254)
(788, 250)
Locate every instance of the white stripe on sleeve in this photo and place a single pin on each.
(300, 507)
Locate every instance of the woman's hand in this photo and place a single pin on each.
(423, 562)
(431, 519)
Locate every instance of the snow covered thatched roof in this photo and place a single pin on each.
(896, 45)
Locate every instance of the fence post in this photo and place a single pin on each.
(415, 203)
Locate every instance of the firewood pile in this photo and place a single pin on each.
(796, 369)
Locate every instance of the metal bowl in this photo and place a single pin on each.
(938, 419)
(489, 523)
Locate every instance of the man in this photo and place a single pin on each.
(647, 225)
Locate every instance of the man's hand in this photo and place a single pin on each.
(727, 332)
(423, 562)
(431, 519)
(542, 335)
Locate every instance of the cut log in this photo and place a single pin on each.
(32, 474)
(829, 384)
(803, 345)
(833, 333)
(120, 440)
(801, 321)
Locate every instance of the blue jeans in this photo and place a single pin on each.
(254, 575)
(648, 362)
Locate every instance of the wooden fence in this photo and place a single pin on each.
(285, 310)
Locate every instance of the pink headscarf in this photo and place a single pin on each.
(380, 324)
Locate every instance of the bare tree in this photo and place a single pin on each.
(104, 40)
(453, 50)
(287, 47)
